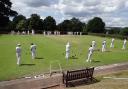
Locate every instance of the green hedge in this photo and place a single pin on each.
(109, 35)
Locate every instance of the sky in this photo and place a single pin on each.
(113, 12)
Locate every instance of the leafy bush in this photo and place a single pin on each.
(124, 31)
(109, 35)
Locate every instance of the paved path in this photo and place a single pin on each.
(107, 69)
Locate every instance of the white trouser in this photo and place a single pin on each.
(89, 57)
(67, 54)
(112, 45)
(124, 46)
(18, 55)
(103, 48)
(33, 54)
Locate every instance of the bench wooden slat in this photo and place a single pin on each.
(78, 74)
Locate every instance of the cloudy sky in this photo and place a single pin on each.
(113, 12)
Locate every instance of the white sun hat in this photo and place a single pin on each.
(18, 44)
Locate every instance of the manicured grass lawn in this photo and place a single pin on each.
(51, 50)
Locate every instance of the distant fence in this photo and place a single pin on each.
(4, 32)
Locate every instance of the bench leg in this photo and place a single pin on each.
(66, 84)
(91, 78)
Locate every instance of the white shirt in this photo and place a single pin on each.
(67, 47)
(90, 50)
(104, 43)
(44, 32)
(33, 48)
(18, 49)
(33, 32)
(125, 41)
(28, 31)
(113, 40)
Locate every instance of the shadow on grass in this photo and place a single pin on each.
(108, 51)
(27, 64)
(97, 50)
(83, 82)
(39, 58)
(73, 57)
(96, 61)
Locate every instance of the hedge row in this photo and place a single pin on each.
(109, 35)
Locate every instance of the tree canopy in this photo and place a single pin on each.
(17, 19)
(21, 25)
(49, 24)
(96, 25)
(73, 24)
(6, 12)
(35, 22)
(65, 26)
(124, 31)
(77, 25)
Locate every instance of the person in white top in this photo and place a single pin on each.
(28, 32)
(124, 44)
(67, 50)
(93, 44)
(90, 51)
(103, 46)
(33, 50)
(33, 32)
(44, 33)
(112, 43)
(18, 53)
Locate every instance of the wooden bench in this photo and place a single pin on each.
(70, 76)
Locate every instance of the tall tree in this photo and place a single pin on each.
(6, 12)
(73, 24)
(49, 24)
(77, 25)
(84, 27)
(17, 19)
(21, 25)
(96, 25)
(65, 26)
(35, 22)
(124, 31)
